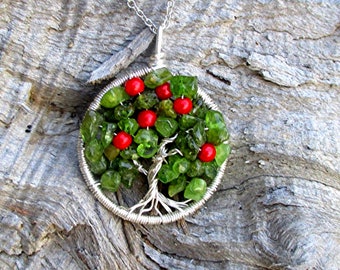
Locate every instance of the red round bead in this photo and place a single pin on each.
(146, 118)
(183, 105)
(134, 86)
(163, 91)
(122, 140)
(207, 152)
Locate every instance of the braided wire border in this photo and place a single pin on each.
(121, 211)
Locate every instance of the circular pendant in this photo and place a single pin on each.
(153, 146)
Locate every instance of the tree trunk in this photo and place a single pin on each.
(272, 66)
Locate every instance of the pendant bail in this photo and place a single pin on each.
(158, 56)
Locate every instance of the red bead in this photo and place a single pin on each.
(163, 91)
(122, 140)
(183, 105)
(207, 152)
(146, 118)
(134, 86)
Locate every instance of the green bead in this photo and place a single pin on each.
(146, 151)
(222, 153)
(147, 137)
(90, 125)
(166, 126)
(123, 111)
(125, 164)
(190, 154)
(196, 168)
(177, 186)
(200, 108)
(128, 125)
(181, 166)
(184, 86)
(157, 77)
(110, 180)
(166, 108)
(146, 100)
(107, 133)
(196, 189)
(182, 143)
(114, 97)
(111, 152)
(217, 136)
(172, 159)
(217, 130)
(187, 121)
(166, 174)
(128, 172)
(93, 151)
(198, 133)
(214, 118)
(130, 153)
(192, 143)
(98, 167)
(128, 177)
(210, 170)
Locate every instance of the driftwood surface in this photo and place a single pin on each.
(274, 69)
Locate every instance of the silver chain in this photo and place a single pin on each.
(148, 22)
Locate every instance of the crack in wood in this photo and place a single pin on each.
(219, 77)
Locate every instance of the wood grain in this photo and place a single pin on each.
(273, 68)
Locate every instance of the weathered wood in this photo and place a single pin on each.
(272, 66)
(124, 58)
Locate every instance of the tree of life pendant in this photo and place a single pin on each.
(153, 146)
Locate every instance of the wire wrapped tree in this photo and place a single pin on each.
(127, 131)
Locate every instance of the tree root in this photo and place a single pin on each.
(153, 197)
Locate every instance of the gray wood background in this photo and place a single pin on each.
(274, 69)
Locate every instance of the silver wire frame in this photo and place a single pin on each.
(122, 211)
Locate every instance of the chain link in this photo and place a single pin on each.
(148, 22)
